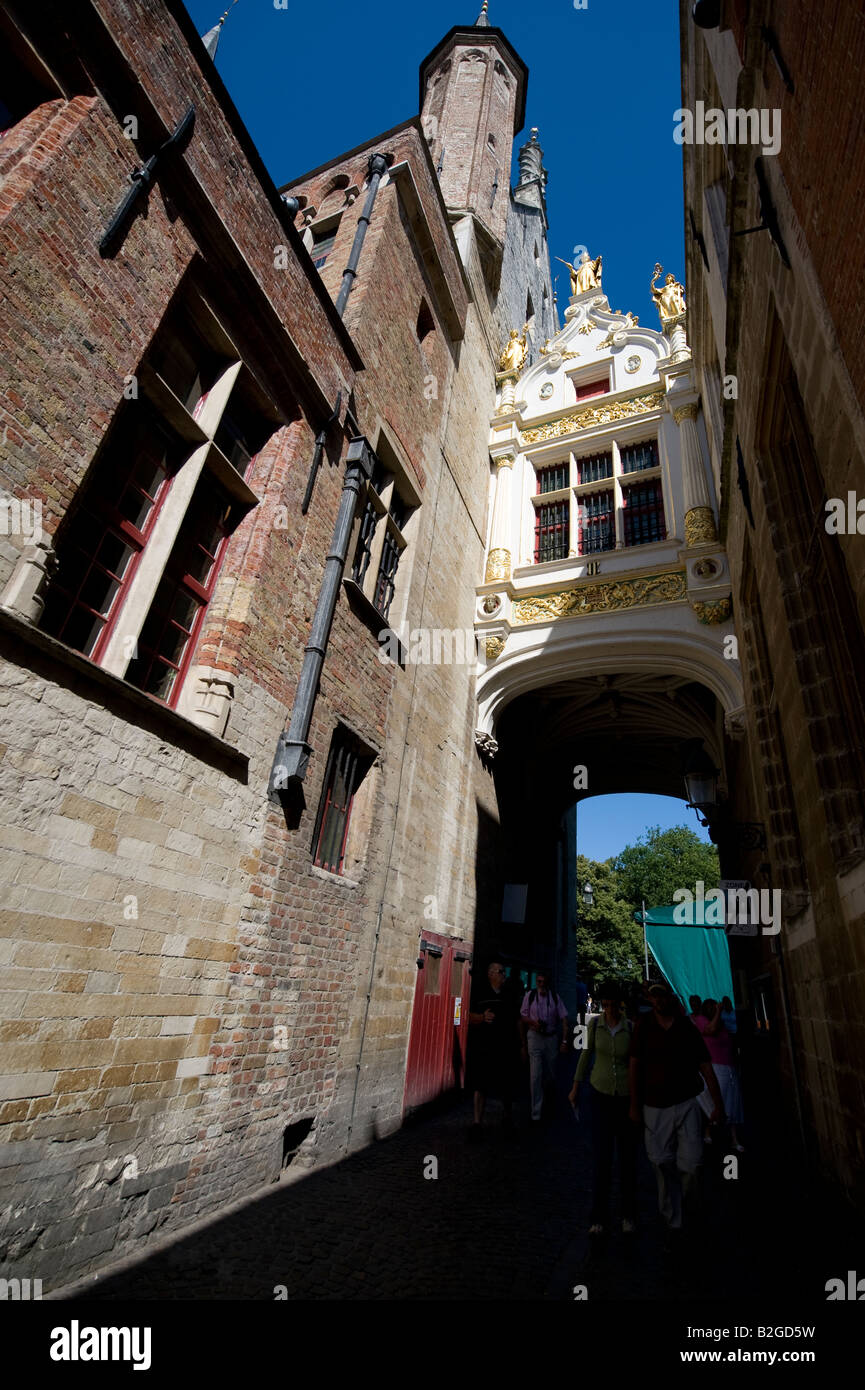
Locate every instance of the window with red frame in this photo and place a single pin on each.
(643, 507)
(552, 532)
(347, 765)
(586, 389)
(596, 529)
(170, 632)
(99, 546)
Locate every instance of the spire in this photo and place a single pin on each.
(482, 21)
(211, 38)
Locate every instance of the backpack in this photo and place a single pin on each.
(533, 994)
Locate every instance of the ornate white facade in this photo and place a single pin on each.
(604, 428)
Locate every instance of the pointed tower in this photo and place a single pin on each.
(473, 99)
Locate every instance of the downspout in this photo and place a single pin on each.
(293, 751)
(378, 167)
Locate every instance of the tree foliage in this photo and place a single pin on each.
(609, 941)
(662, 861)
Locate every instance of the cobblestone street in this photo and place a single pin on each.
(505, 1219)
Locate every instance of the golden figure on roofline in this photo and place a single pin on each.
(670, 300)
(585, 276)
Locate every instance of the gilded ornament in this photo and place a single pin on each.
(716, 610)
(498, 566)
(493, 646)
(513, 359)
(700, 526)
(586, 276)
(601, 598)
(595, 415)
(669, 301)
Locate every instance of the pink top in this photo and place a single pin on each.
(720, 1044)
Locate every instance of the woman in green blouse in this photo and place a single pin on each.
(606, 1057)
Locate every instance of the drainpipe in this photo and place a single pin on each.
(378, 167)
(293, 751)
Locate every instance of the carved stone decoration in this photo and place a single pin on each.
(685, 412)
(706, 569)
(601, 598)
(735, 726)
(24, 594)
(491, 605)
(700, 525)
(498, 566)
(493, 646)
(486, 745)
(713, 611)
(596, 415)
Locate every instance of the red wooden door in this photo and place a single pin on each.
(436, 1050)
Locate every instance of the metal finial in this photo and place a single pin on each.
(211, 39)
(482, 19)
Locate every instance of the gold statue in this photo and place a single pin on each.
(513, 359)
(669, 301)
(585, 277)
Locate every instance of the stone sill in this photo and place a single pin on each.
(47, 657)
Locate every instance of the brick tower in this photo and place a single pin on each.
(473, 95)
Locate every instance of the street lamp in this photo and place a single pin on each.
(701, 781)
(588, 895)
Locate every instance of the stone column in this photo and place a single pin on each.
(508, 383)
(699, 517)
(679, 350)
(499, 557)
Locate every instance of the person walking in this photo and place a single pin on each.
(721, 1047)
(605, 1061)
(543, 1017)
(668, 1059)
(494, 1054)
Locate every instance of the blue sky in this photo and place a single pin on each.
(312, 81)
(605, 824)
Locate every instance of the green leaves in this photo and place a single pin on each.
(609, 941)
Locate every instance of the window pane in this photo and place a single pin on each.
(554, 478)
(636, 457)
(347, 764)
(597, 524)
(643, 513)
(385, 586)
(172, 625)
(594, 468)
(552, 532)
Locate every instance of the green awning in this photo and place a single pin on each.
(694, 958)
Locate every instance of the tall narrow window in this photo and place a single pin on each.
(323, 241)
(643, 505)
(381, 543)
(100, 543)
(139, 551)
(597, 524)
(347, 765)
(552, 532)
(170, 631)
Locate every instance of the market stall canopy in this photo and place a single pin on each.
(695, 958)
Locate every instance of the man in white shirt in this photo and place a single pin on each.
(542, 1017)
